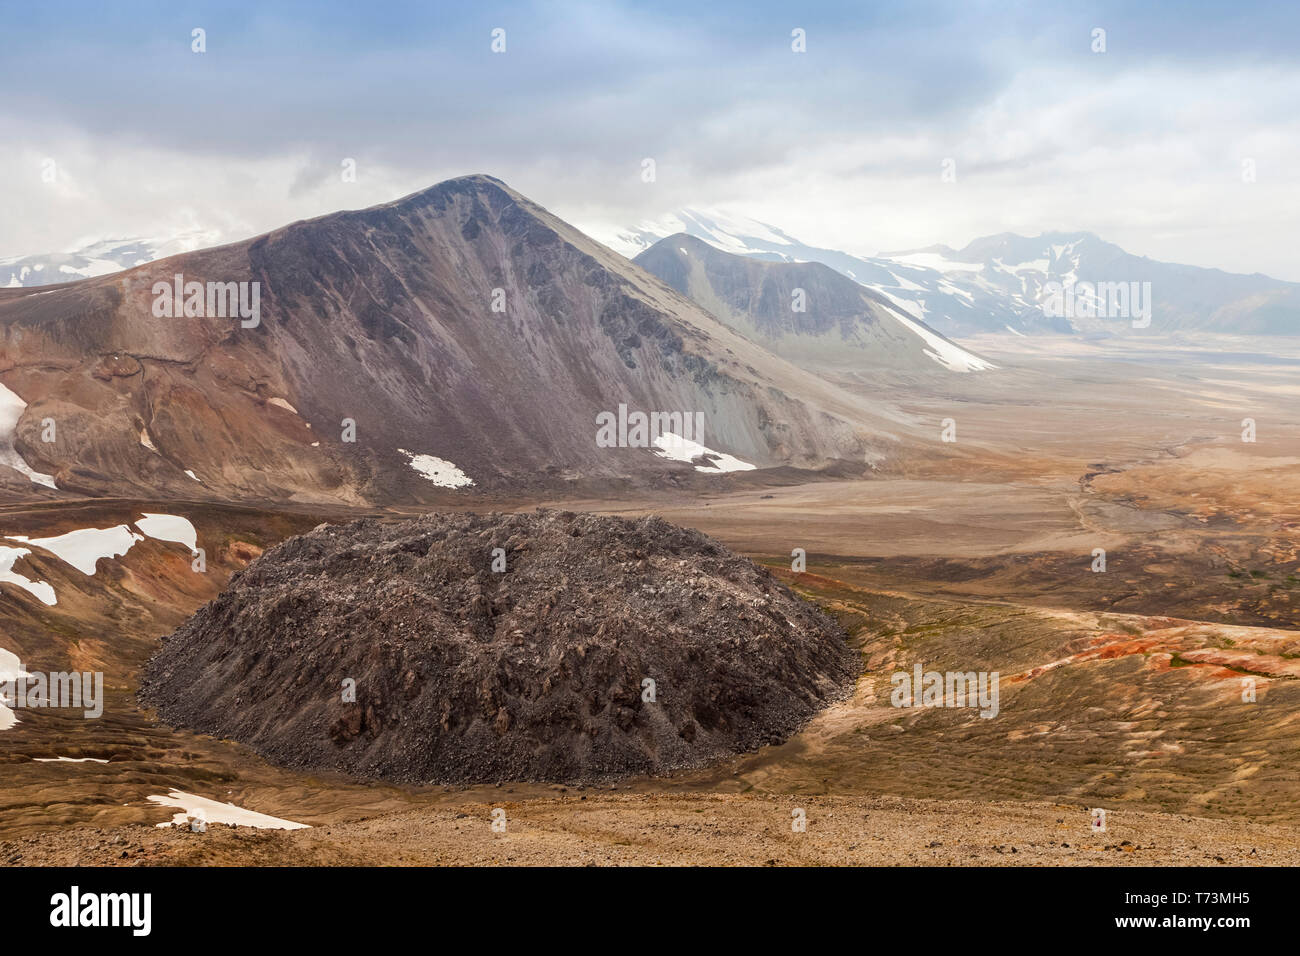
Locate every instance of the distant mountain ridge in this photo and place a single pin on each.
(97, 258)
(996, 283)
(804, 311)
(1002, 282)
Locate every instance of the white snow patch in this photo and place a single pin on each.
(916, 308)
(1034, 265)
(11, 409)
(677, 448)
(42, 589)
(932, 260)
(192, 475)
(442, 473)
(162, 527)
(737, 235)
(95, 267)
(953, 290)
(727, 232)
(281, 403)
(10, 670)
(85, 546)
(906, 284)
(69, 760)
(215, 812)
(948, 354)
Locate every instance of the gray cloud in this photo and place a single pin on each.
(844, 140)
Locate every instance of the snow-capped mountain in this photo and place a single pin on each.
(1065, 282)
(936, 285)
(96, 258)
(806, 312)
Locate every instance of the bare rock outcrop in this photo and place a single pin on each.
(546, 646)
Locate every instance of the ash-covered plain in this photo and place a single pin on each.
(605, 647)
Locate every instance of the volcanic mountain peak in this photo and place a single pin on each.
(468, 183)
(436, 197)
(462, 324)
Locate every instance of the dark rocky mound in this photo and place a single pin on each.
(466, 674)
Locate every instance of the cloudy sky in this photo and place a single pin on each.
(843, 145)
